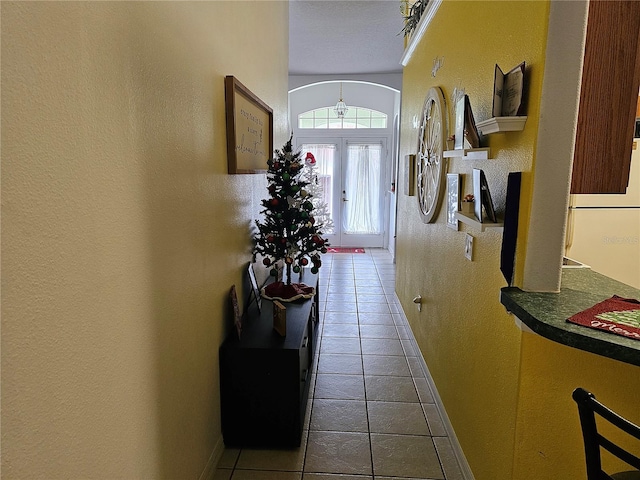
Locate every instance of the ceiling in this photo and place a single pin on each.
(350, 37)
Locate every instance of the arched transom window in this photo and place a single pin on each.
(356, 117)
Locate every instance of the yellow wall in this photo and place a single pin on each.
(470, 344)
(121, 230)
(507, 393)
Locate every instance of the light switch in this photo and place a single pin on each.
(468, 247)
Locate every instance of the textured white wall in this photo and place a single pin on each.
(121, 230)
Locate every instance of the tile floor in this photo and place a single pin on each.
(371, 413)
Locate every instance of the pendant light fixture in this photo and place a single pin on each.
(341, 108)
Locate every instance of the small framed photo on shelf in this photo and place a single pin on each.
(280, 318)
(453, 199)
(410, 175)
(255, 291)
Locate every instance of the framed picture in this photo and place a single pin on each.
(237, 317)
(410, 175)
(453, 199)
(483, 196)
(249, 129)
(255, 290)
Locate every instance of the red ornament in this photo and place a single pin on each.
(310, 159)
(271, 239)
(274, 202)
(304, 261)
(276, 165)
(283, 241)
(266, 262)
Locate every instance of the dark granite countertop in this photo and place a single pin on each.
(546, 313)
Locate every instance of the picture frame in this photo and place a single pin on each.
(453, 199)
(483, 197)
(235, 308)
(255, 290)
(410, 175)
(280, 318)
(249, 129)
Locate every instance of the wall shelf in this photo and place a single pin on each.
(469, 153)
(473, 221)
(501, 124)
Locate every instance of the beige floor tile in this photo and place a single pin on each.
(448, 459)
(376, 319)
(339, 416)
(377, 331)
(340, 306)
(286, 460)
(396, 417)
(424, 391)
(229, 458)
(265, 475)
(434, 420)
(340, 317)
(340, 330)
(340, 363)
(370, 290)
(371, 298)
(390, 389)
(416, 367)
(385, 365)
(340, 345)
(347, 387)
(222, 474)
(331, 476)
(373, 308)
(381, 346)
(340, 297)
(405, 455)
(338, 452)
(409, 349)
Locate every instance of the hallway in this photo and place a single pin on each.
(372, 413)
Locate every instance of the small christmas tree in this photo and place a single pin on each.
(320, 208)
(289, 231)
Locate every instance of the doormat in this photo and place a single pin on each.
(615, 315)
(344, 250)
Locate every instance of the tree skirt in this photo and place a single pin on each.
(344, 250)
(287, 293)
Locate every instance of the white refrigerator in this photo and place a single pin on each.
(603, 231)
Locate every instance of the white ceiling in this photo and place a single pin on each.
(328, 37)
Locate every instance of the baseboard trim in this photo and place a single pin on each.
(210, 468)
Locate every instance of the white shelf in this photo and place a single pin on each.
(469, 153)
(473, 221)
(501, 124)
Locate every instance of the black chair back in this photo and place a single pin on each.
(588, 407)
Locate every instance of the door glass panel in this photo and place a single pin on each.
(362, 190)
(325, 155)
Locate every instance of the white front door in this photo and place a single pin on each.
(352, 173)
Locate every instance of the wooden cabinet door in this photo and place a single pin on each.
(609, 91)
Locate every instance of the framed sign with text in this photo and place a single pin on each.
(249, 129)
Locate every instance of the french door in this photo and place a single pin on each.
(352, 173)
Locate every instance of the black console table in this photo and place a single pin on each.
(265, 378)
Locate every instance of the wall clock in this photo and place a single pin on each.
(430, 160)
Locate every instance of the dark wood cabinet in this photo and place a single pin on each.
(265, 378)
(608, 96)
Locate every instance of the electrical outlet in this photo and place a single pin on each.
(468, 247)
